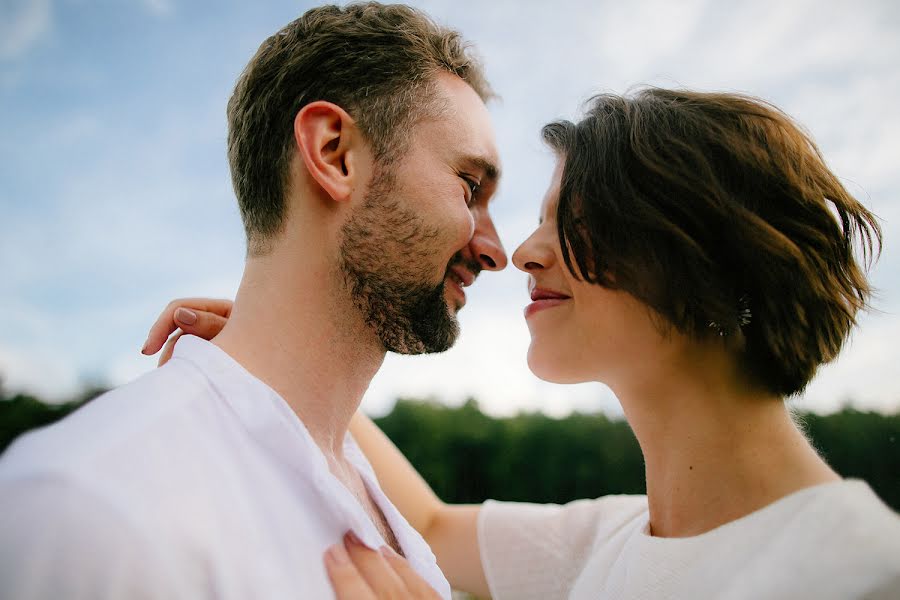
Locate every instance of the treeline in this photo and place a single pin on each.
(468, 456)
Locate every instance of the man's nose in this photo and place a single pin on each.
(486, 246)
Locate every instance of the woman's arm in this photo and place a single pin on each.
(450, 530)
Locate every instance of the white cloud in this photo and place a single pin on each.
(864, 375)
(38, 371)
(22, 25)
(159, 8)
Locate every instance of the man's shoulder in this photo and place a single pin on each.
(68, 538)
(62, 541)
(162, 406)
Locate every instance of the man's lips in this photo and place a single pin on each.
(463, 276)
(542, 298)
(459, 278)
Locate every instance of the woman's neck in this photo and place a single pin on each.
(714, 451)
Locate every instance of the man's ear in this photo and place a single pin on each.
(328, 142)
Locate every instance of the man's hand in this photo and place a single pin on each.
(358, 573)
(203, 317)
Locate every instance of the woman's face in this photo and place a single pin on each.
(579, 331)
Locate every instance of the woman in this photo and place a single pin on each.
(696, 255)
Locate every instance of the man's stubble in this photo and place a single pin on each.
(387, 261)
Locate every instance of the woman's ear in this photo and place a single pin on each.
(328, 141)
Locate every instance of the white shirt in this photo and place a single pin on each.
(194, 481)
(833, 541)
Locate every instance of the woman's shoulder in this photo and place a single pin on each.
(855, 517)
(836, 540)
(849, 508)
(823, 521)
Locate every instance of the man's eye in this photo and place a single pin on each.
(473, 189)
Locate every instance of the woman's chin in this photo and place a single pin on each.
(553, 370)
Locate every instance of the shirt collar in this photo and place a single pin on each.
(282, 435)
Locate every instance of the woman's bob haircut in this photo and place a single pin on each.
(718, 212)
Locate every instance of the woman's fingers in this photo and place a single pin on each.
(416, 586)
(194, 322)
(358, 572)
(347, 581)
(375, 570)
(168, 349)
(206, 325)
(167, 322)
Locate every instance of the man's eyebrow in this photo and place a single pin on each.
(488, 167)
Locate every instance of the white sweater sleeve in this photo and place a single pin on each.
(61, 542)
(535, 551)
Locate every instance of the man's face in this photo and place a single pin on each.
(422, 234)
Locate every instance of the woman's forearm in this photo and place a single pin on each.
(400, 481)
(450, 530)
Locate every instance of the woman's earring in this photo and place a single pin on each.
(744, 316)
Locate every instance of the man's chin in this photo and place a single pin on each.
(429, 327)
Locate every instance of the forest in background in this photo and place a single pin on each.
(467, 456)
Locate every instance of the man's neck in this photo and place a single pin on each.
(289, 327)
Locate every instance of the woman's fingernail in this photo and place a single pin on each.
(144, 347)
(352, 538)
(186, 316)
(388, 552)
(338, 554)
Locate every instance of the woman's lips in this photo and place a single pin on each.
(543, 298)
(539, 305)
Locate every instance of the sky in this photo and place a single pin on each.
(115, 195)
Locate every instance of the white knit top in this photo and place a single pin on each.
(835, 540)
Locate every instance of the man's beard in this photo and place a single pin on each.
(387, 255)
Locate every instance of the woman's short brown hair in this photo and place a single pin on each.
(719, 213)
(376, 61)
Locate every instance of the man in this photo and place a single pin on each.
(363, 161)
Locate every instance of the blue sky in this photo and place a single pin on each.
(115, 192)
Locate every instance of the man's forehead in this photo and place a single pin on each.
(468, 125)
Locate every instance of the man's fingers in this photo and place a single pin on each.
(347, 581)
(166, 323)
(376, 571)
(418, 587)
